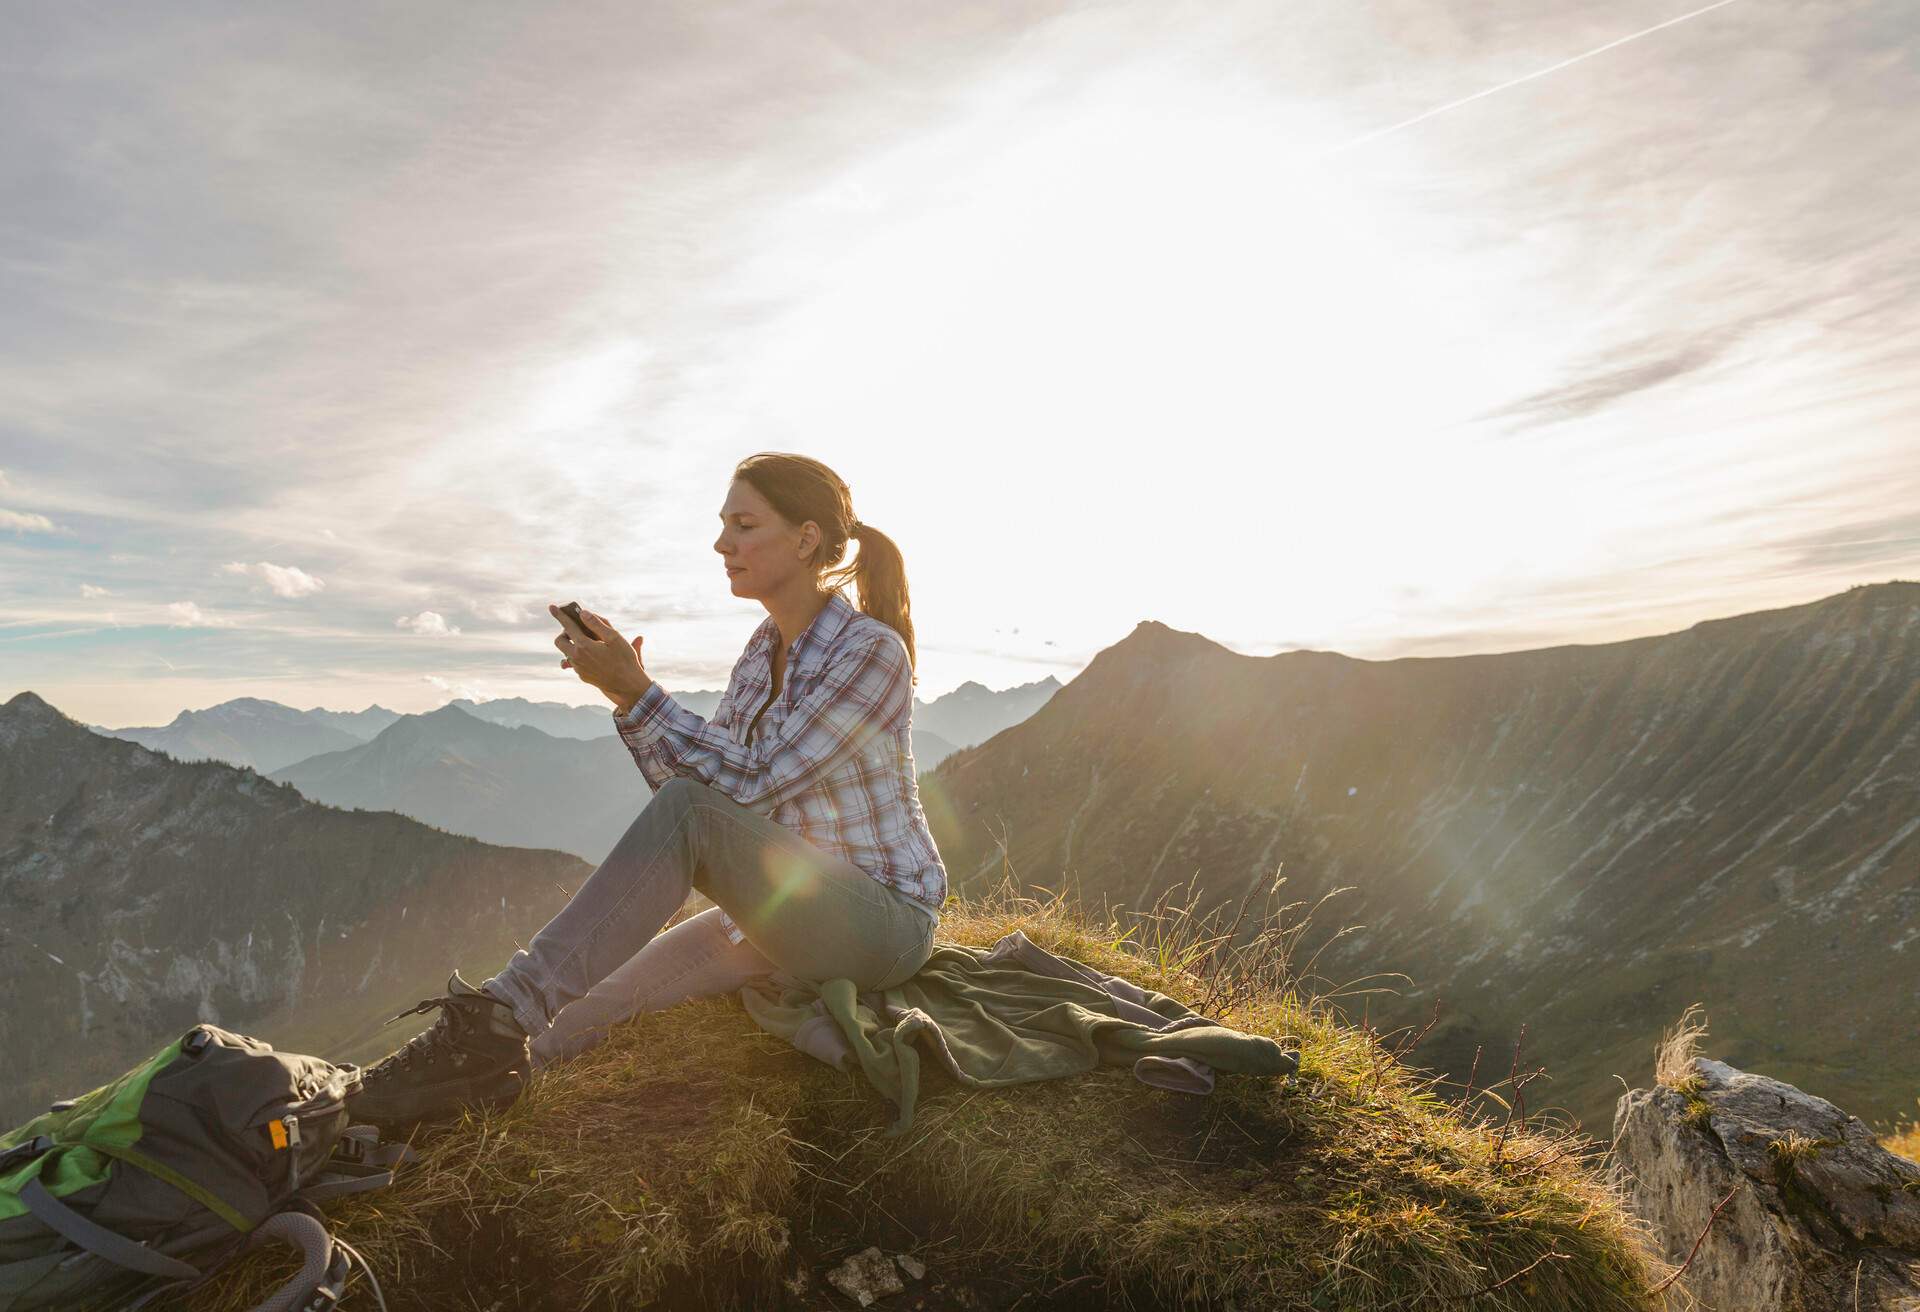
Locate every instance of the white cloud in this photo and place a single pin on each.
(89, 590)
(427, 623)
(26, 522)
(285, 580)
(472, 692)
(188, 615)
(499, 611)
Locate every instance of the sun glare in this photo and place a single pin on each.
(1152, 288)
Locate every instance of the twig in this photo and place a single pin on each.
(1551, 1252)
(1696, 1243)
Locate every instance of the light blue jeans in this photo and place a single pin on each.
(803, 911)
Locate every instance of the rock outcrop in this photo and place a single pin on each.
(1820, 1215)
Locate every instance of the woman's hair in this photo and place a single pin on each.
(802, 489)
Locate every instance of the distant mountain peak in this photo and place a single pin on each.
(30, 715)
(1153, 640)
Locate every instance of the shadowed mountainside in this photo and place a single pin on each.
(1582, 839)
(139, 894)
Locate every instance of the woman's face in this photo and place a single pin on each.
(761, 551)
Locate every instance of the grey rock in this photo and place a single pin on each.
(868, 1275)
(1821, 1217)
(913, 1266)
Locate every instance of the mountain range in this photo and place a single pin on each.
(519, 787)
(140, 891)
(269, 736)
(139, 894)
(1579, 839)
(1548, 853)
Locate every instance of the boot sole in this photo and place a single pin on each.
(427, 1106)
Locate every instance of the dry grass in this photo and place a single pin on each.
(1904, 1139)
(1788, 1152)
(1679, 1045)
(691, 1159)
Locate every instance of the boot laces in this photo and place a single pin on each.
(443, 1038)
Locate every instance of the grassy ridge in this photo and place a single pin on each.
(693, 1160)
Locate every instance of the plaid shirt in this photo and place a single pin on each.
(831, 758)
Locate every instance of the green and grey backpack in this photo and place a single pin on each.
(212, 1145)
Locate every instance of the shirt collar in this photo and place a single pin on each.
(815, 640)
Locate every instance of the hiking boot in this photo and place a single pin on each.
(474, 1053)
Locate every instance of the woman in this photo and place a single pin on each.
(795, 809)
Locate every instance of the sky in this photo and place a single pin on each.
(337, 341)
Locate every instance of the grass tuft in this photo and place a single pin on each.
(1679, 1045)
(1787, 1152)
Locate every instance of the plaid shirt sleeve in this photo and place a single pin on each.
(866, 689)
(651, 766)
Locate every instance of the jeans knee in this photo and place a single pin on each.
(678, 791)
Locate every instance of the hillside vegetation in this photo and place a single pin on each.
(694, 1161)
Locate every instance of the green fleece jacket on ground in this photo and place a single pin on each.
(1003, 1015)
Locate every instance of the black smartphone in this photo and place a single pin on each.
(572, 609)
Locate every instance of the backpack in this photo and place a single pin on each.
(149, 1183)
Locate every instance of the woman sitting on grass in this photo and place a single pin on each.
(795, 809)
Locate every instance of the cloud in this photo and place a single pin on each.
(285, 580)
(89, 590)
(1607, 381)
(429, 624)
(188, 615)
(1858, 546)
(499, 611)
(472, 692)
(26, 522)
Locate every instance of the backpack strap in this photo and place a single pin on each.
(22, 1153)
(361, 1162)
(331, 1186)
(97, 1239)
(322, 1279)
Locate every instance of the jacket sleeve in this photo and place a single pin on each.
(867, 688)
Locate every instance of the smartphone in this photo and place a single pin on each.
(572, 609)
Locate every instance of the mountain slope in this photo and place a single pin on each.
(361, 724)
(139, 894)
(973, 713)
(245, 731)
(562, 720)
(1580, 838)
(518, 787)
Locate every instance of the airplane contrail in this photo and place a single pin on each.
(1377, 133)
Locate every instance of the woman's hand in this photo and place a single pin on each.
(609, 662)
